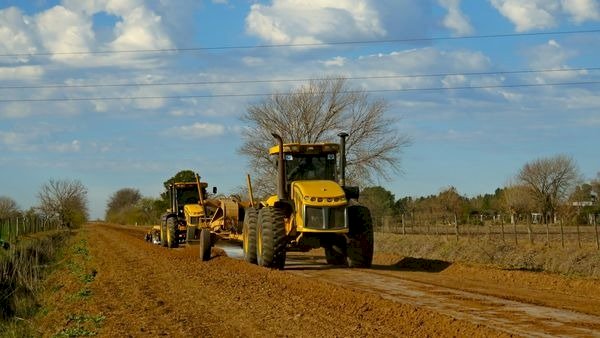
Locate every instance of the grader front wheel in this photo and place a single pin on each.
(205, 244)
(360, 237)
(271, 243)
(249, 235)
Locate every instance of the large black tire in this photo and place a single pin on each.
(360, 237)
(335, 252)
(163, 233)
(271, 240)
(249, 235)
(205, 244)
(172, 240)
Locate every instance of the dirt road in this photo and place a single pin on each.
(141, 289)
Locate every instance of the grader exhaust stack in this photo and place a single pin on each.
(281, 193)
(343, 136)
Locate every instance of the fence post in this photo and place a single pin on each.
(502, 229)
(530, 233)
(596, 229)
(515, 233)
(578, 235)
(457, 231)
(547, 234)
(403, 225)
(562, 235)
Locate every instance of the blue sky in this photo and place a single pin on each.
(472, 139)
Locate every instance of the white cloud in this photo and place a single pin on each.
(252, 61)
(17, 141)
(64, 31)
(582, 10)
(21, 73)
(337, 61)
(140, 29)
(16, 34)
(543, 14)
(528, 15)
(197, 130)
(296, 21)
(552, 56)
(456, 20)
(71, 147)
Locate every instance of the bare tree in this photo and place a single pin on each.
(317, 112)
(65, 199)
(548, 181)
(8, 207)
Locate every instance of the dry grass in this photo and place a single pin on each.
(21, 268)
(571, 260)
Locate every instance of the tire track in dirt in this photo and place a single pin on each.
(510, 316)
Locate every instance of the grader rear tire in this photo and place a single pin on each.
(249, 235)
(205, 244)
(172, 240)
(360, 237)
(271, 243)
(163, 234)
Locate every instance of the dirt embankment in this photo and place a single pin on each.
(118, 285)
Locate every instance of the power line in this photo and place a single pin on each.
(374, 77)
(315, 44)
(265, 94)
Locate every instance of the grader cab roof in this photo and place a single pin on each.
(306, 148)
(189, 184)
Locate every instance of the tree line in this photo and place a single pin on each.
(545, 190)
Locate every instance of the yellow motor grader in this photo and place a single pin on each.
(311, 209)
(194, 218)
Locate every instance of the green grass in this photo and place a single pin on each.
(82, 325)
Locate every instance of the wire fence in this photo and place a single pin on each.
(13, 228)
(558, 234)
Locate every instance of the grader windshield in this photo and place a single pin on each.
(301, 167)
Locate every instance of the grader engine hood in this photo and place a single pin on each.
(319, 193)
(193, 213)
(321, 206)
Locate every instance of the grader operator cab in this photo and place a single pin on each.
(312, 209)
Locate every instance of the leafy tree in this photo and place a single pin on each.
(122, 199)
(548, 181)
(150, 210)
(317, 112)
(380, 202)
(65, 199)
(8, 208)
